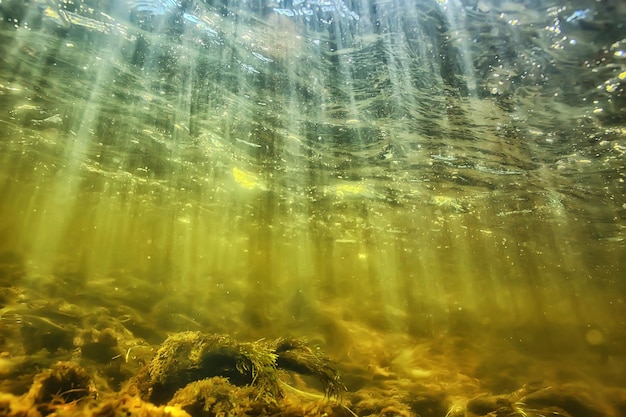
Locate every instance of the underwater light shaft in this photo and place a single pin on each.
(392, 163)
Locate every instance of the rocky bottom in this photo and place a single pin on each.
(120, 347)
(197, 374)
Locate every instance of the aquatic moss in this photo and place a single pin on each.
(194, 356)
(11, 405)
(126, 406)
(295, 355)
(64, 383)
(217, 397)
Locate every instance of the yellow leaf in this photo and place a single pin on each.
(245, 179)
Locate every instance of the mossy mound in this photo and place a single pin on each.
(218, 397)
(194, 356)
(58, 390)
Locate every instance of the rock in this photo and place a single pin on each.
(65, 383)
(575, 401)
(194, 356)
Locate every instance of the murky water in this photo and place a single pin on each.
(432, 192)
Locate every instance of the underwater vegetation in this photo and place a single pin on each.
(194, 356)
(195, 374)
(191, 373)
(84, 355)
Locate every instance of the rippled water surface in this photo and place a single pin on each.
(432, 192)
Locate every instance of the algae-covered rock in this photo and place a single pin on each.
(14, 406)
(296, 356)
(565, 400)
(98, 345)
(65, 383)
(194, 356)
(557, 400)
(217, 397)
(485, 404)
(126, 406)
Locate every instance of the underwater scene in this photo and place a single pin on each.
(395, 208)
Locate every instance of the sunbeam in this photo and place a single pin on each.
(199, 197)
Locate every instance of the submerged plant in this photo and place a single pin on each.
(193, 356)
(295, 355)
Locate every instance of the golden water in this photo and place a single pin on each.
(266, 195)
